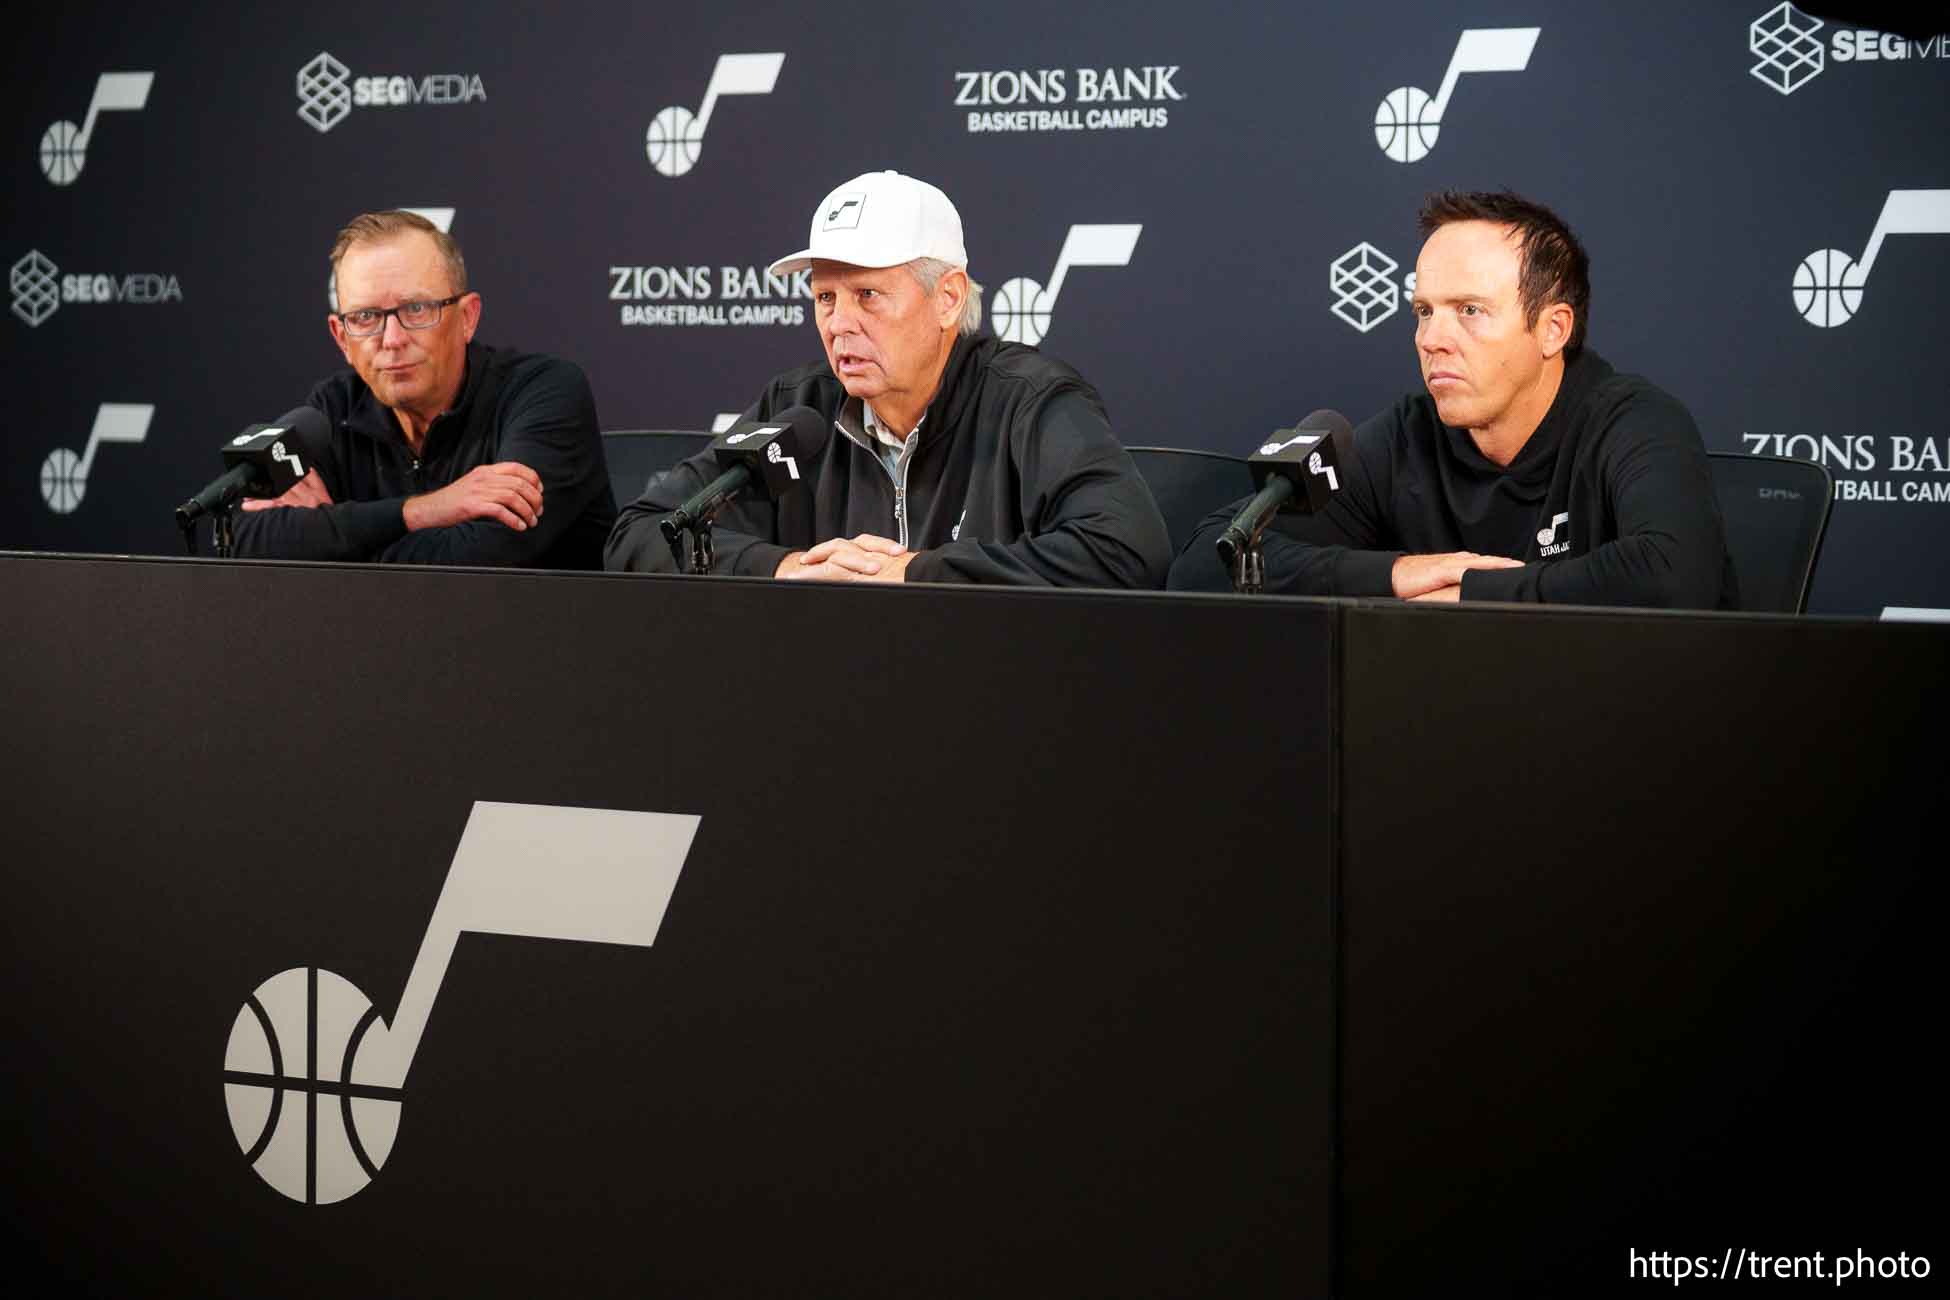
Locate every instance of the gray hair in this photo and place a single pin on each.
(377, 227)
(929, 270)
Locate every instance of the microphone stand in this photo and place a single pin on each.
(221, 534)
(703, 553)
(714, 499)
(1249, 566)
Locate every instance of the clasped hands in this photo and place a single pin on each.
(1439, 577)
(865, 558)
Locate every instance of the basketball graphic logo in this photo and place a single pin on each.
(1828, 283)
(1022, 307)
(314, 1079)
(62, 482)
(674, 141)
(1406, 124)
(64, 146)
(62, 154)
(1827, 287)
(64, 475)
(1021, 312)
(306, 1115)
(675, 138)
(1409, 120)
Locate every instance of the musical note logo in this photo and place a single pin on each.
(1023, 307)
(1828, 284)
(64, 475)
(64, 146)
(1408, 121)
(1300, 436)
(314, 1078)
(676, 135)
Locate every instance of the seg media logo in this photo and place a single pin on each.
(1363, 284)
(64, 146)
(1022, 308)
(1789, 52)
(1828, 283)
(1408, 121)
(36, 288)
(675, 139)
(1038, 99)
(328, 92)
(39, 288)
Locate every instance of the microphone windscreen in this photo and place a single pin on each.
(1335, 425)
(810, 429)
(307, 426)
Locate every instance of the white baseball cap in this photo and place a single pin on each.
(881, 219)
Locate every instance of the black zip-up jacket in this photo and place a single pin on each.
(1015, 478)
(513, 406)
(1621, 460)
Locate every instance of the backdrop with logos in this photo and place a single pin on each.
(1210, 212)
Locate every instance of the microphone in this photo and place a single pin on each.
(262, 461)
(771, 457)
(1297, 470)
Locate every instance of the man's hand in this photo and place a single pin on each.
(1422, 575)
(865, 558)
(509, 493)
(308, 493)
(1440, 596)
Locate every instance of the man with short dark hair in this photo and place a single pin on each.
(955, 457)
(1528, 469)
(441, 451)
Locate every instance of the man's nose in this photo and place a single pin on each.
(1431, 335)
(392, 334)
(839, 320)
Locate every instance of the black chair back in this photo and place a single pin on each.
(1189, 485)
(1776, 511)
(638, 456)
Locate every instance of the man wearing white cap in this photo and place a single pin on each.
(955, 457)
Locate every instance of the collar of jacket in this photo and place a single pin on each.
(1536, 461)
(959, 386)
(372, 418)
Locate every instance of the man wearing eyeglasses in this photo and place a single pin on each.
(442, 451)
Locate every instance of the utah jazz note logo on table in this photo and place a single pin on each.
(312, 1076)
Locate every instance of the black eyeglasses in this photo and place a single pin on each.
(416, 315)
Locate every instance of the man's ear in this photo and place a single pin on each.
(337, 327)
(1554, 324)
(951, 294)
(470, 314)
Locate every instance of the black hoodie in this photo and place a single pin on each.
(1610, 502)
